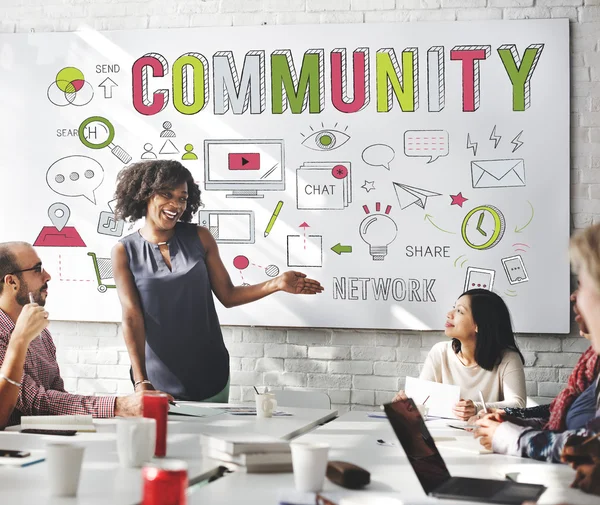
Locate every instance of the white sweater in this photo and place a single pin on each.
(502, 387)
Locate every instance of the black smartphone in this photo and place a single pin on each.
(66, 433)
(7, 453)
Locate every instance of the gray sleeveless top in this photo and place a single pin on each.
(185, 353)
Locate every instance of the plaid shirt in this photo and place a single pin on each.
(43, 390)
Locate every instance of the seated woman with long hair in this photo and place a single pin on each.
(482, 355)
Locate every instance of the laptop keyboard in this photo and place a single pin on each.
(478, 488)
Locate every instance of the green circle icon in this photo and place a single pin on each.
(483, 227)
(96, 132)
(70, 79)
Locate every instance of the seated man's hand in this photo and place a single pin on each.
(464, 409)
(486, 427)
(400, 395)
(588, 478)
(576, 452)
(132, 405)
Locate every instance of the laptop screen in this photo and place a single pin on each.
(418, 444)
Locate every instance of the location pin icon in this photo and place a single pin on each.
(59, 214)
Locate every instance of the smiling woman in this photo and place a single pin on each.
(166, 274)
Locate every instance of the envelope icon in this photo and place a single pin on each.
(498, 173)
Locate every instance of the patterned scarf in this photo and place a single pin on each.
(583, 375)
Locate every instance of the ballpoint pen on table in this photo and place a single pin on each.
(595, 437)
(483, 402)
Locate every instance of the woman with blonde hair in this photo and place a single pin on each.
(566, 446)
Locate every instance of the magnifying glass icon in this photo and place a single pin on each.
(97, 132)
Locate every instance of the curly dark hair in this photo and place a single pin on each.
(139, 181)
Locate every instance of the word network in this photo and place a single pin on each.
(396, 80)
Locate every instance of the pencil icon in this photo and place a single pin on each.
(273, 217)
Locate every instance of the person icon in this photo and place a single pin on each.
(189, 153)
(148, 154)
(167, 132)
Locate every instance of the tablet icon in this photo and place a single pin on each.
(515, 269)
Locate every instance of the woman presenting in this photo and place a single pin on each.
(166, 274)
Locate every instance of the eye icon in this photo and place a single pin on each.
(326, 140)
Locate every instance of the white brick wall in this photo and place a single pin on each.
(360, 369)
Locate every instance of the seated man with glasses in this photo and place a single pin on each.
(30, 382)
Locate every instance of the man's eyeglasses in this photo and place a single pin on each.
(35, 268)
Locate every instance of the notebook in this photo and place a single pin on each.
(185, 409)
(75, 422)
(431, 470)
(239, 443)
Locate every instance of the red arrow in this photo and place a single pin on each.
(304, 226)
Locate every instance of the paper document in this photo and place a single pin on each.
(442, 397)
(194, 410)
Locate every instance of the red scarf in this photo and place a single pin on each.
(583, 375)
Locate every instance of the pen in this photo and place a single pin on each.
(597, 435)
(173, 403)
(273, 218)
(483, 401)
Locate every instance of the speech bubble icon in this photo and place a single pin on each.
(75, 176)
(426, 143)
(378, 155)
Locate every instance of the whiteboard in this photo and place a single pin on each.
(396, 164)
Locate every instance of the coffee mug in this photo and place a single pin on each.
(136, 441)
(265, 404)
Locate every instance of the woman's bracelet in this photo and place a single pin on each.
(137, 383)
(14, 383)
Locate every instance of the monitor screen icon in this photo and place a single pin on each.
(244, 167)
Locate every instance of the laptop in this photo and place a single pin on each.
(432, 472)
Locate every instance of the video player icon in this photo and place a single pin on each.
(244, 161)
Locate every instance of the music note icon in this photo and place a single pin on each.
(109, 225)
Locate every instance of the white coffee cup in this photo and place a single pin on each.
(310, 463)
(64, 466)
(136, 440)
(265, 404)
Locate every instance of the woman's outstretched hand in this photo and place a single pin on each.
(298, 284)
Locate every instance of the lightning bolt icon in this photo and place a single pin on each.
(471, 145)
(495, 138)
(516, 142)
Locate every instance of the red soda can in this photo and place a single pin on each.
(165, 483)
(156, 406)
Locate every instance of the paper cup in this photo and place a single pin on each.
(64, 467)
(310, 463)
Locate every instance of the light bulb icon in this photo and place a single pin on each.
(379, 231)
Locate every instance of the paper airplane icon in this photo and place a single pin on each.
(409, 195)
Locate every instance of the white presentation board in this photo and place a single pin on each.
(398, 164)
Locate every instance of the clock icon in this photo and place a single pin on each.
(483, 227)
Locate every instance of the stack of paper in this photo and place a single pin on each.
(75, 422)
(440, 398)
(249, 453)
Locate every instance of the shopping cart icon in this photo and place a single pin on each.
(103, 268)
